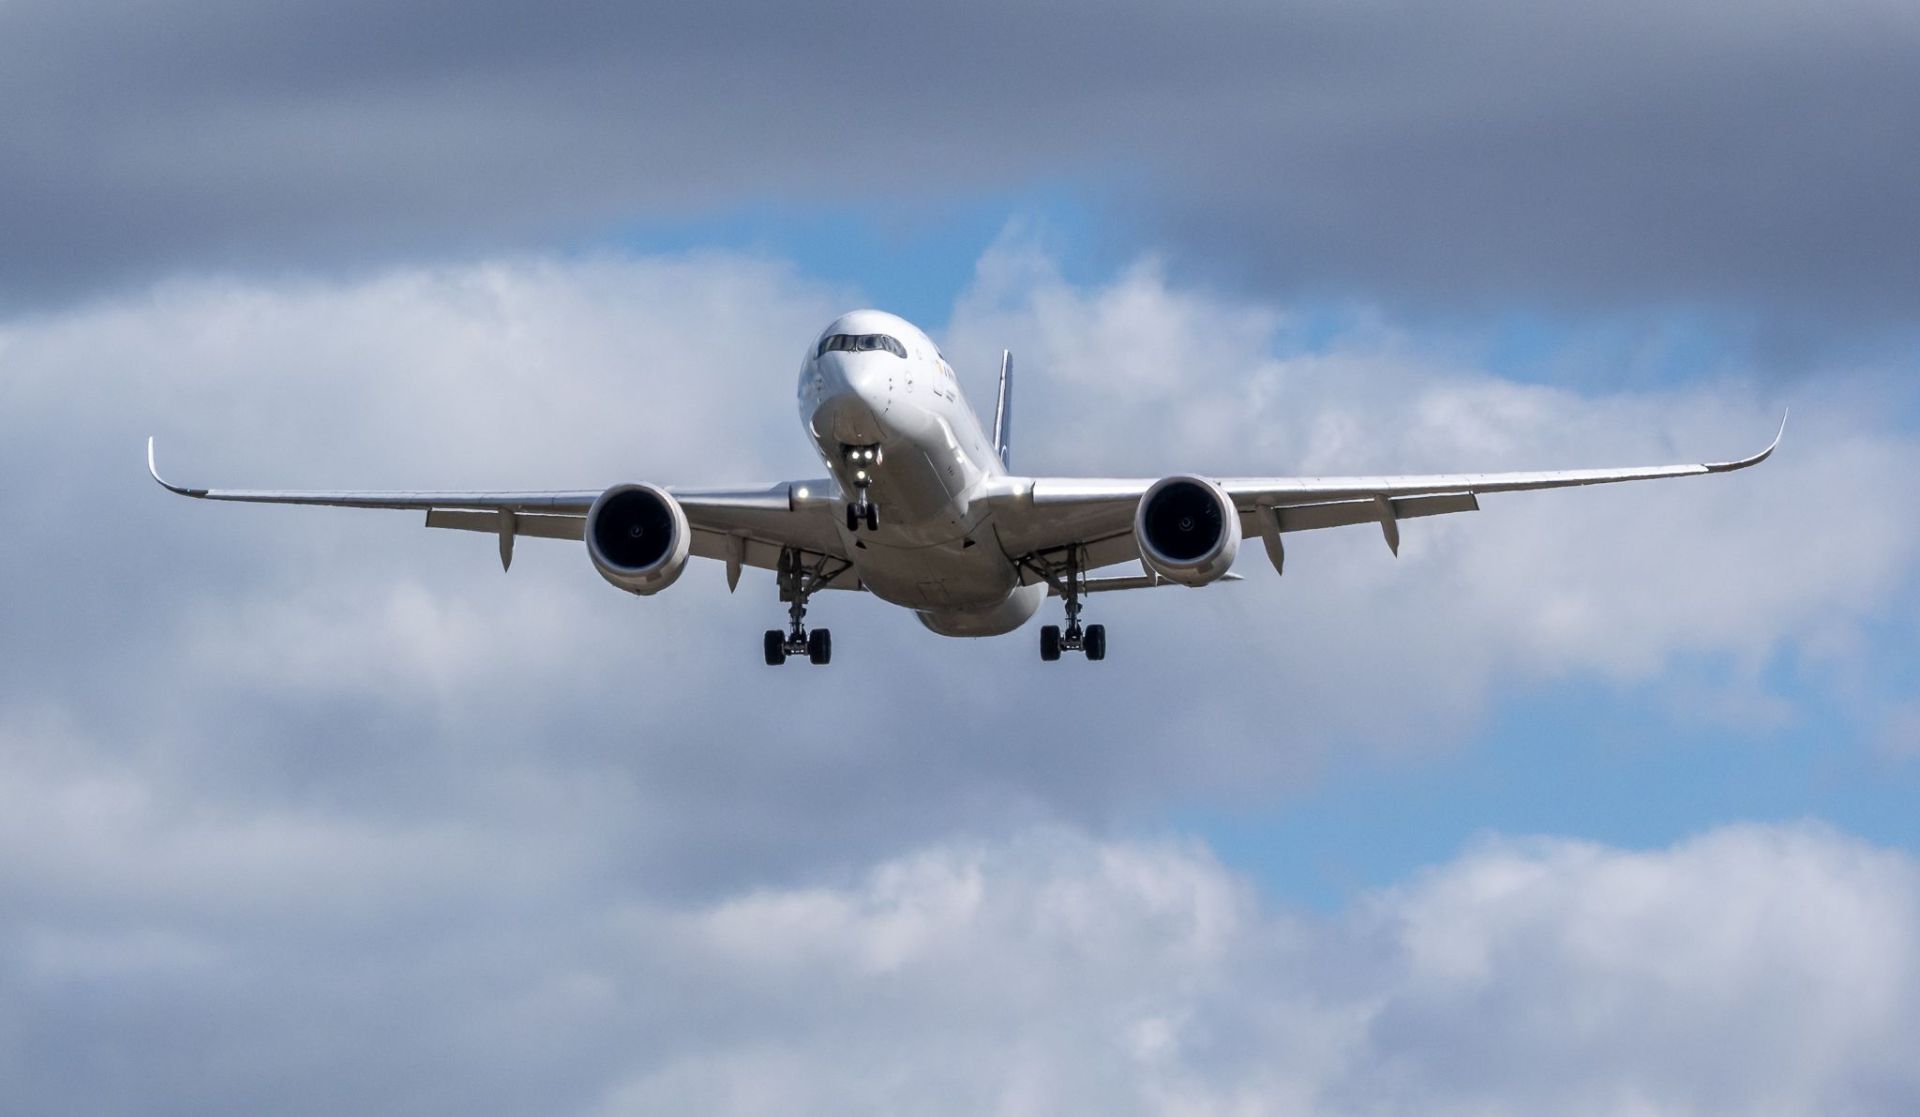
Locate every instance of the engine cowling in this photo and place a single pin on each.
(638, 538)
(1188, 530)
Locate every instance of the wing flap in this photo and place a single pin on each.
(538, 526)
(1341, 513)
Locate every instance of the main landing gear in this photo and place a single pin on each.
(861, 511)
(1092, 639)
(798, 581)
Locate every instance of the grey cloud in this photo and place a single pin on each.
(1767, 969)
(354, 661)
(287, 791)
(1614, 155)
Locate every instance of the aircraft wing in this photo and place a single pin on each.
(1052, 514)
(741, 527)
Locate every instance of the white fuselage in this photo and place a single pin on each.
(933, 552)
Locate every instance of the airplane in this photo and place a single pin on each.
(922, 508)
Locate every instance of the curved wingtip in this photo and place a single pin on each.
(1742, 463)
(154, 470)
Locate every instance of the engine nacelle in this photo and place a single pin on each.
(1188, 530)
(638, 537)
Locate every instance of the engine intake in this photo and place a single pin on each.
(638, 538)
(1188, 530)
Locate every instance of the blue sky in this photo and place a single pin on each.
(1597, 802)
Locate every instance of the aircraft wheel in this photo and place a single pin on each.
(820, 646)
(1050, 642)
(776, 642)
(1096, 645)
(873, 517)
(853, 517)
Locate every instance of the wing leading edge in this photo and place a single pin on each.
(571, 502)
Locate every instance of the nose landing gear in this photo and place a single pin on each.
(863, 460)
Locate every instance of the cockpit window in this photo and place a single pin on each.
(861, 343)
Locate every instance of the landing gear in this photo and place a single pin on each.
(798, 581)
(1092, 639)
(862, 512)
(862, 460)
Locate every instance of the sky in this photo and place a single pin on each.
(1597, 802)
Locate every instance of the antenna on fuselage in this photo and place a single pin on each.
(1003, 411)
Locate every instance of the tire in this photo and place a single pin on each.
(1050, 642)
(853, 518)
(1096, 645)
(873, 517)
(820, 647)
(776, 642)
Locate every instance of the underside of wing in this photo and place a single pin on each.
(1092, 519)
(740, 527)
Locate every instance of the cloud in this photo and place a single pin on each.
(287, 791)
(1770, 969)
(1626, 154)
(282, 654)
(1140, 376)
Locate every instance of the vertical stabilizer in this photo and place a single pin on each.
(1003, 411)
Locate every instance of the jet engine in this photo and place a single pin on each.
(1188, 530)
(637, 536)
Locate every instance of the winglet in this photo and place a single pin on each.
(1742, 463)
(164, 483)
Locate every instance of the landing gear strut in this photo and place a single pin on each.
(1093, 638)
(860, 511)
(798, 581)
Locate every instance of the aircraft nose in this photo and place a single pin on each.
(859, 374)
(858, 393)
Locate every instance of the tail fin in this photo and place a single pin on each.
(1003, 411)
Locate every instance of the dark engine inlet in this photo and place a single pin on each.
(1182, 522)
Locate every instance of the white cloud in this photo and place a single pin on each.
(291, 791)
(1771, 970)
(273, 651)
(1752, 969)
(1139, 377)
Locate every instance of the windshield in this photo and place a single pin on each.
(861, 343)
